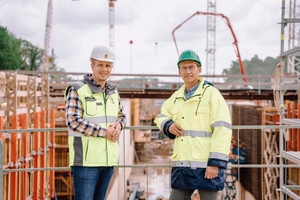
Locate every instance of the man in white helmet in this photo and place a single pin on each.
(95, 118)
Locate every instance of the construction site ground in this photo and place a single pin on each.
(154, 181)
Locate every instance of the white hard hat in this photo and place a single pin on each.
(103, 53)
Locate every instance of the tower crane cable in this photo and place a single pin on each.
(235, 42)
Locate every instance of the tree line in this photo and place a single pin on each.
(20, 54)
(254, 66)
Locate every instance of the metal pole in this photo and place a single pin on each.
(133, 194)
(281, 132)
(1, 168)
(130, 42)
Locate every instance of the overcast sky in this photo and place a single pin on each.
(78, 26)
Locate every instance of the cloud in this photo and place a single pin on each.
(78, 26)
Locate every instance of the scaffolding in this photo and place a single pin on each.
(289, 146)
(237, 174)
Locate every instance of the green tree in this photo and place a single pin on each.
(10, 54)
(31, 56)
(254, 66)
(19, 54)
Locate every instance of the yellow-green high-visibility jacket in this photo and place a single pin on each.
(101, 108)
(206, 140)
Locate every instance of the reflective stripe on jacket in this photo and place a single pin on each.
(100, 108)
(206, 140)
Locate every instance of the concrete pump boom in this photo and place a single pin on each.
(235, 42)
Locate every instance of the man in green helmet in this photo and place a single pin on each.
(197, 118)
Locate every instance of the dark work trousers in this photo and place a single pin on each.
(177, 194)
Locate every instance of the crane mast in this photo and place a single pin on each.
(111, 5)
(45, 58)
(45, 61)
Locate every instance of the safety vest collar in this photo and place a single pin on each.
(109, 88)
(199, 91)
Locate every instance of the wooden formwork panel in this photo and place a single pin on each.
(62, 151)
(27, 150)
(292, 135)
(63, 179)
(294, 178)
(23, 94)
(2, 84)
(293, 144)
(63, 184)
(270, 116)
(270, 155)
(250, 178)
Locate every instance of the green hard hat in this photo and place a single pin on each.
(188, 55)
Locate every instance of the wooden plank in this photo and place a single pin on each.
(21, 110)
(22, 93)
(21, 78)
(2, 113)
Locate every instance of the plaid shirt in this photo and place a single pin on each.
(74, 115)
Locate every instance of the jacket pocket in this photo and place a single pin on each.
(203, 116)
(91, 106)
(96, 152)
(113, 152)
(174, 113)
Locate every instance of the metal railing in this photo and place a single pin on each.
(150, 165)
(166, 81)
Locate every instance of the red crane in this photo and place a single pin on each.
(235, 42)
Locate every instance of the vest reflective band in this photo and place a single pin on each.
(191, 164)
(198, 164)
(95, 151)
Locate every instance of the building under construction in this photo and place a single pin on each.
(35, 151)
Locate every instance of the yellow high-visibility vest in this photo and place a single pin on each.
(90, 151)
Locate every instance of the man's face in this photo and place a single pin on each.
(101, 70)
(189, 71)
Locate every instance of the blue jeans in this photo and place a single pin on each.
(91, 183)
